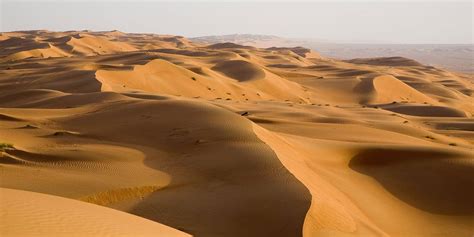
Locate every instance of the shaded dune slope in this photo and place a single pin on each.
(222, 175)
(240, 70)
(440, 177)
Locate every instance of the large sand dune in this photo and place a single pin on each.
(33, 214)
(227, 140)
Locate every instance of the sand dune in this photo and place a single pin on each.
(232, 80)
(33, 214)
(240, 70)
(386, 89)
(227, 140)
(386, 61)
(63, 46)
(50, 52)
(300, 51)
(92, 45)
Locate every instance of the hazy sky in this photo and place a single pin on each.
(347, 21)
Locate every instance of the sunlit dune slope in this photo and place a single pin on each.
(34, 214)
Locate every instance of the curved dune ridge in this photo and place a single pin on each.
(165, 77)
(34, 214)
(92, 45)
(168, 137)
(386, 89)
(50, 52)
(63, 46)
(441, 177)
(240, 70)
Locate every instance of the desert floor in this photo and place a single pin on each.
(227, 140)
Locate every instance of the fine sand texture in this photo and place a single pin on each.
(120, 134)
(34, 214)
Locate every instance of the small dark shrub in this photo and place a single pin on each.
(6, 146)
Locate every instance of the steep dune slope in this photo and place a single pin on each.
(218, 167)
(211, 168)
(92, 45)
(386, 89)
(240, 70)
(64, 217)
(315, 154)
(49, 52)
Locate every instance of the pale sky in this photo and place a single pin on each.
(437, 22)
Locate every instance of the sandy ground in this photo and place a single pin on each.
(227, 140)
